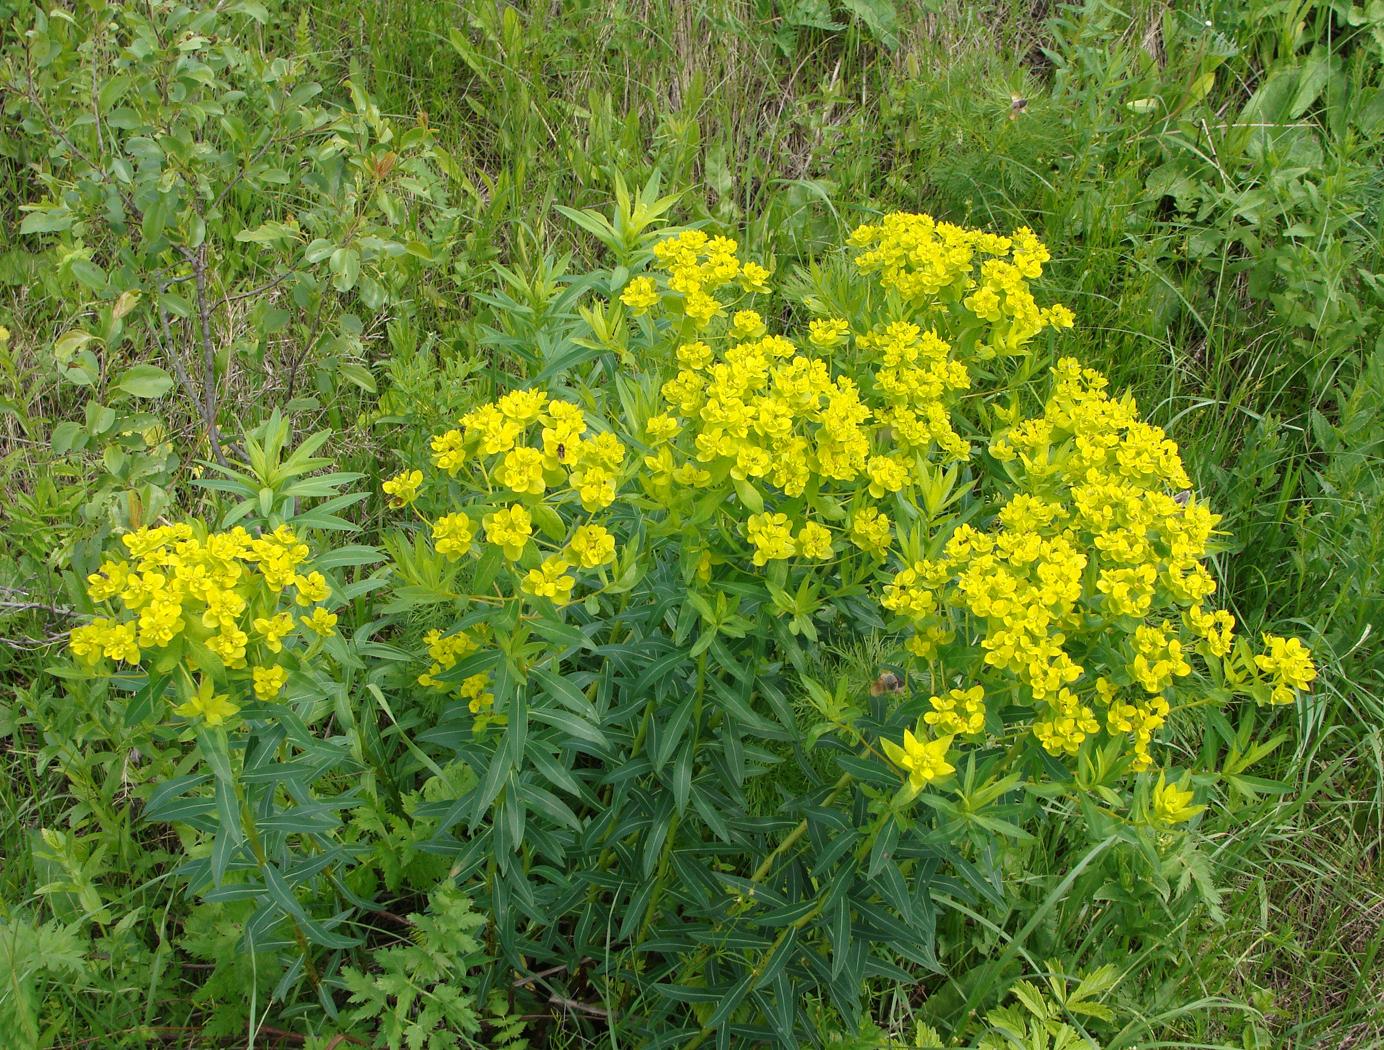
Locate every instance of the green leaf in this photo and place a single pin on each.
(145, 381)
(565, 693)
(358, 375)
(670, 732)
(572, 725)
(345, 266)
(69, 343)
(88, 274)
(46, 221)
(268, 233)
(67, 436)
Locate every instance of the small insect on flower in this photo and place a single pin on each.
(887, 682)
(1017, 105)
(402, 488)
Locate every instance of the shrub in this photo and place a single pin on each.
(630, 739)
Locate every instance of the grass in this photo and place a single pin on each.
(1228, 277)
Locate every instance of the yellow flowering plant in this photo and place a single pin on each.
(623, 578)
(225, 640)
(642, 558)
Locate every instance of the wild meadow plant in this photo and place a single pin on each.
(673, 810)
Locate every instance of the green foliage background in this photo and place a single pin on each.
(1209, 176)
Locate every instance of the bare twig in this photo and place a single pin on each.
(586, 1008)
(199, 266)
(29, 645)
(29, 605)
(539, 975)
(256, 291)
(170, 353)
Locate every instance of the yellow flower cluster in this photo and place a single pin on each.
(931, 263)
(1288, 665)
(697, 265)
(562, 455)
(550, 580)
(216, 593)
(452, 535)
(1081, 593)
(402, 489)
(1092, 544)
(445, 650)
(959, 711)
(763, 414)
(526, 464)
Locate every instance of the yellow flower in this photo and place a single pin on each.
(522, 471)
(886, 475)
(268, 681)
(1058, 316)
(473, 690)
(640, 295)
(1288, 664)
(959, 711)
(109, 581)
(746, 324)
(826, 333)
(923, 760)
(694, 356)
(449, 452)
(1172, 804)
(452, 535)
(402, 488)
(207, 707)
(321, 621)
(870, 531)
(522, 406)
(445, 651)
(311, 588)
(1217, 627)
(754, 278)
(495, 431)
(593, 546)
(229, 643)
(273, 629)
(509, 529)
(701, 308)
(772, 537)
(662, 427)
(87, 641)
(596, 487)
(814, 541)
(550, 580)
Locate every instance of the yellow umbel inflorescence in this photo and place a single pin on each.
(231, 596)
(1044, 571)
(1081, 594)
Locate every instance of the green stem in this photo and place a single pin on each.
(760, 873)
(661, 877)
(247, 819)
(861, 852)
